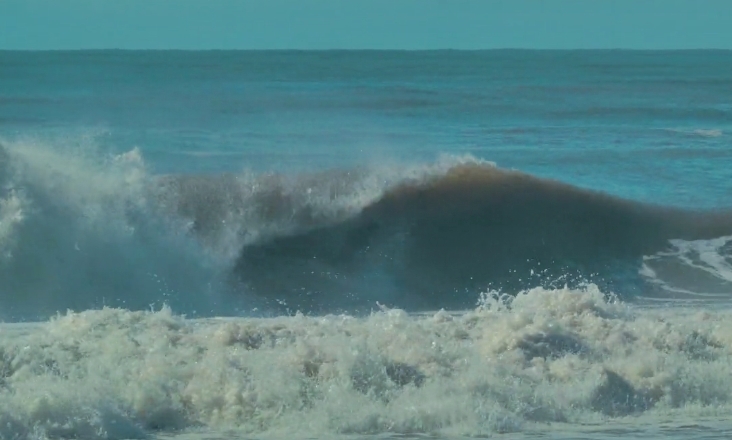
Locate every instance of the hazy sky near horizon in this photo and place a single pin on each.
(365, 24)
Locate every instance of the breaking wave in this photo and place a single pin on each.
(78, 230)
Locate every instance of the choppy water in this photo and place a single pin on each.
(257, 244)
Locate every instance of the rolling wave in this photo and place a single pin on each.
(443, 240)
(79, 233)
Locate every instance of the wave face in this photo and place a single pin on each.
(79, 231)
(443, 239)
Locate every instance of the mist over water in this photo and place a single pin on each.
(79, 233)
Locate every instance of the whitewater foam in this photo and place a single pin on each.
(696, 269)
(560, 356)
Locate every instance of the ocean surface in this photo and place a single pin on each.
(367, 245)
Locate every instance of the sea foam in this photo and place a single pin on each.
(512, 364)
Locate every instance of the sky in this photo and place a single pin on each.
(365, 24)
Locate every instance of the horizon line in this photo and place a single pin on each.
(506, 49)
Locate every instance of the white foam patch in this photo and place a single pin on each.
(702, 132)
(709, 252)
(706, 260)
(562, 356)
(708, 133)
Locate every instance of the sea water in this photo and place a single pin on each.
(365, 244)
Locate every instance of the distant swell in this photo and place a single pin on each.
(438, 241)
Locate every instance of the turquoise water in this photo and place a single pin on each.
(648, 125)
(258, 244)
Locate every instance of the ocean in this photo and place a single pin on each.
(366, 244)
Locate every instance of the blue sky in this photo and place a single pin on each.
(365, 24)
